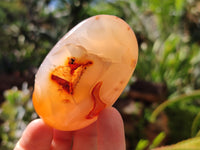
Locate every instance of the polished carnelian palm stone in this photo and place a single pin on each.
(85, 72)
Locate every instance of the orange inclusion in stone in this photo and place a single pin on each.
(74, 65)
(67, 86)
(98, 104)
(66, 77)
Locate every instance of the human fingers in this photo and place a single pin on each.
(86, 138)
(62, 140)
(110, 130)
(37, 135)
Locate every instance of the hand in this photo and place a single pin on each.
(107, 133)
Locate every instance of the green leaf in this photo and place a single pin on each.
(190, 144)
(159, 138)
(179, 4)
(12, 95)
(195, 125)
(161, 107)
(142, 144)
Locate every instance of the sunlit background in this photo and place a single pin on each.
(168, 70)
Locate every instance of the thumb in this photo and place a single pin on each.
(37, 135)
(110, 130)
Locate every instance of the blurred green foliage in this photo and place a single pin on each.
(29, 29)
(168, 34)
(16, 112)
(184, 124)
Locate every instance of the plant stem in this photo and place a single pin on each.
(161, 107)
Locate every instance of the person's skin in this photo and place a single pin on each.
(107, 133)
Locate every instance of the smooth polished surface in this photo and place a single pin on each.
(85, 72)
